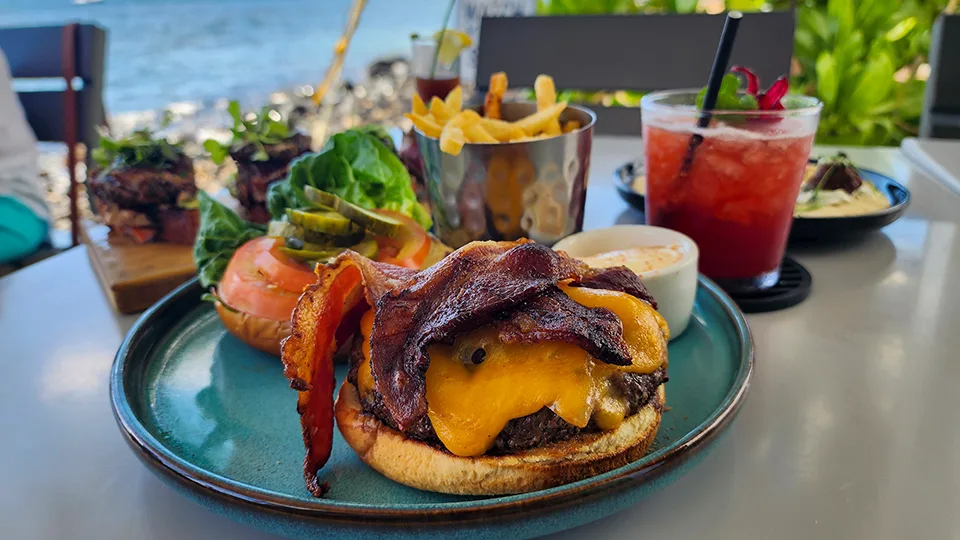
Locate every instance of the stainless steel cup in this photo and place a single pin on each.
(534, 189)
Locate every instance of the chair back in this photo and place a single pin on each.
(73, 53)
(941, 102)
(628, 52)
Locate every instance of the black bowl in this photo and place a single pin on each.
(836, 228)
(803, 229)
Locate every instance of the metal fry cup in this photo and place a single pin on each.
(531, 189)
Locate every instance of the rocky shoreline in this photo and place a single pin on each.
(382, 98)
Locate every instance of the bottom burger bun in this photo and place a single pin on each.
(258, 332)
(422, 466)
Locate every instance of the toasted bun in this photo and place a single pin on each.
(422, 466)
(260, 333)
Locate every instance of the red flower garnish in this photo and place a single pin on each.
(769, 100)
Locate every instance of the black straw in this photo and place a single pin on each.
(719, 69)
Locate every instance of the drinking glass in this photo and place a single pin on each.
(731, 186)
(432, 81)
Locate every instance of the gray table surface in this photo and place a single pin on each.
(850, 429)
(940, 158)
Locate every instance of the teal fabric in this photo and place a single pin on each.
(21, 231)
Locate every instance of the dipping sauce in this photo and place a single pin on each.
(826, 203)
(638, 259)
(838, 203)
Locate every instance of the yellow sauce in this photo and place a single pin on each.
(469, 404)
(838, 203)
(638, 259)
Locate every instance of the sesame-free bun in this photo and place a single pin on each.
(258, 332)
(422, 466)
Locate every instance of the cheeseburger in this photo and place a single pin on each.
(505, 368)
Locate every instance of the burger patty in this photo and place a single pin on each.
(254, 177)
(538, 429)
(130, 188)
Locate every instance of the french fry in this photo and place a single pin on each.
(419, 107)
(552, 129)
(464, 118)
(476, 134)
(452, 140)
(440, 111)
(571, 125)
(501, 130)
(546, 93)
(516, 134)
(491, 103)
(454, 100)
(425, 124)
(537, 122)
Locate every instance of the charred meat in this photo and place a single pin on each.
(144, 188)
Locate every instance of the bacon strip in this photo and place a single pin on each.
(553, 316)
(462, 292)
(308, 353)
(512, 284)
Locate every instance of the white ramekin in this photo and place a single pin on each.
(673, 287)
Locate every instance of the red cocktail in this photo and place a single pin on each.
(734, 194)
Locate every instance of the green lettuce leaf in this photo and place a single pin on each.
(221, 233)
(356, 166)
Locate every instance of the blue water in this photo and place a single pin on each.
(163, 51)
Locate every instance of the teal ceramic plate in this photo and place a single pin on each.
(217, 420)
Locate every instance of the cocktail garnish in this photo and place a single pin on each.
(729, 98)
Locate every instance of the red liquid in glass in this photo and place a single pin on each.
(737, 200)
(428, 88)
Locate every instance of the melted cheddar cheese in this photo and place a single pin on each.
(469, 404)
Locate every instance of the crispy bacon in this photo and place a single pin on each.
(553, 316)
(512, 284)
(619, 278)
(308, 352)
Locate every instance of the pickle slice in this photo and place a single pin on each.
(371, 221)
(288, 230)
(322, 255)
(367, 247)
(320, 197)
(330, 223)
(284, 229)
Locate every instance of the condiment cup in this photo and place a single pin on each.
(673, 286)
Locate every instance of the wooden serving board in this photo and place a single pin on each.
(135, 276)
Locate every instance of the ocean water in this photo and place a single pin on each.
(165, 51)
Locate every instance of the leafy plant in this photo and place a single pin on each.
(261, 129)
(357, 167)
(221, 233)
(860, 58)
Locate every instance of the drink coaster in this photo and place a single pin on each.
(792, 288)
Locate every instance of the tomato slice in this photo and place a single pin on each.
(284, 271)
(409, 248)
(245, 288)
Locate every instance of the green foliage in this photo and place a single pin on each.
(221, 234)
(139, 149)
(859, 57)
(357, 167)
(261, 129)
(729, 99)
